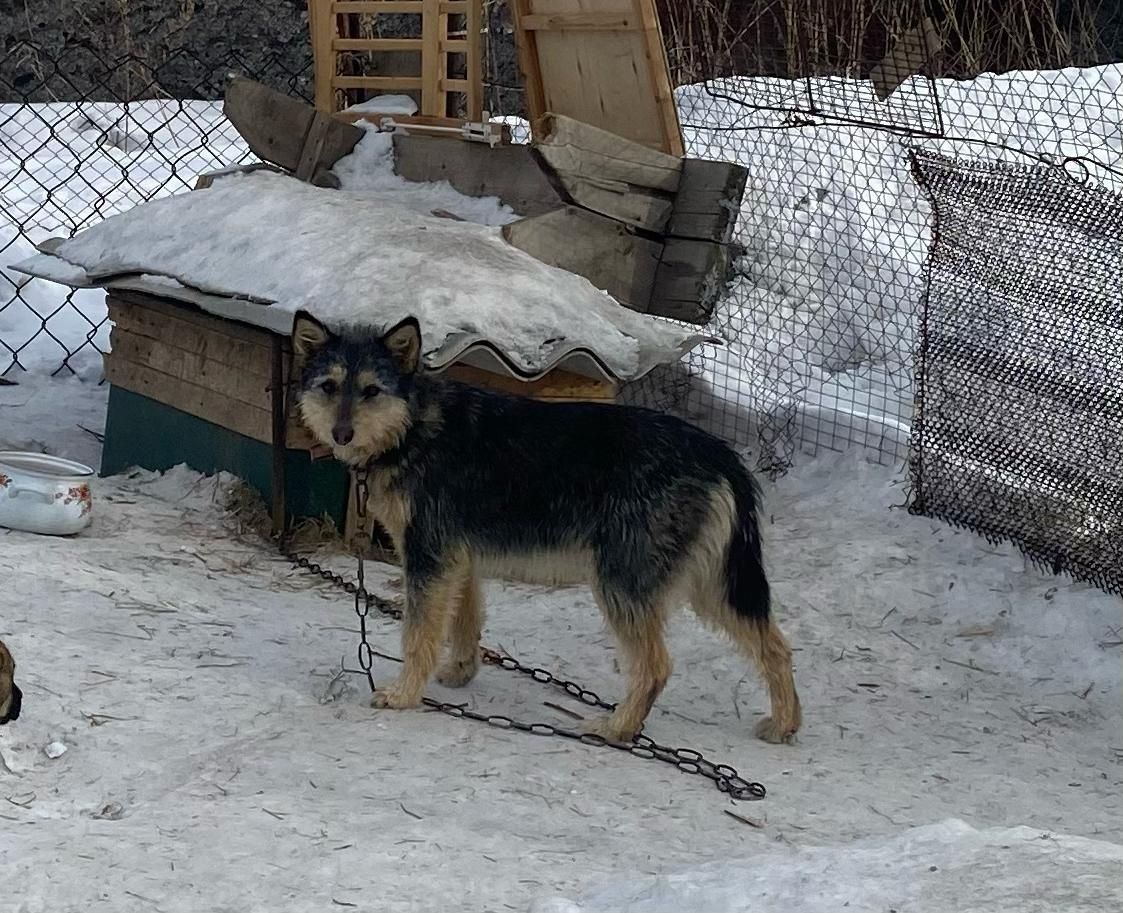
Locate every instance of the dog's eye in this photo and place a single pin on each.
(370, 392)
(329, 387)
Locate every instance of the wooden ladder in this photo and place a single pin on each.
(328, 22)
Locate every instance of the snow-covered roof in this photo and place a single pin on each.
(259, 247)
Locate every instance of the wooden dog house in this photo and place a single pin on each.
(190, 387)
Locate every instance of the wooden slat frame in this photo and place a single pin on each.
(377, 82)
(349, 7)
(433, 62)
(433, 82)
(376, 44)
(473, 48)
(526, 47)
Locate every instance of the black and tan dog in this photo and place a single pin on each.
(648, 510)
(11, 698)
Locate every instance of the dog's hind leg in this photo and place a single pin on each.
(760, 639)
(428, 599)
(639, 630)
(465, 626)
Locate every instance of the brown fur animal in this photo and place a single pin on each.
(11, 698)
(646, 509)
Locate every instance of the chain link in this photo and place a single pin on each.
(724, 777)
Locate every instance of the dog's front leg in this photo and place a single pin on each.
(430, 589)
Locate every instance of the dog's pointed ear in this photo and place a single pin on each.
(308, 336)
(404, 342)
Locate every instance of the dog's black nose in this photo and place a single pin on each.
(13, 706)
(343, 434)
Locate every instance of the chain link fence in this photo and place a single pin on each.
(819, 326)
(1018, 425)
(106, 107)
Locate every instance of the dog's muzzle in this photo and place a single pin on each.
(14, 705)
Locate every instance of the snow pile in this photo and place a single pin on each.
(366, 258)
(946, 866)
(384, 104)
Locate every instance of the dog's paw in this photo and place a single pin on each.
(395, 697)
(457, 673)
(769, 730)
(612, 729)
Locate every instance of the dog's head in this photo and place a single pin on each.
(355, 386)
(11, 698)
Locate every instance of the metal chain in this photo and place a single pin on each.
(724, 777)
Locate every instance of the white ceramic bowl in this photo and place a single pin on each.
(44, 494)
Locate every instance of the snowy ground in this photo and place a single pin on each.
(211, 763)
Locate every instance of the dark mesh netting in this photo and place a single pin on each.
(1018, 430)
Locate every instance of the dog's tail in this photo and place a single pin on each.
(746, 584)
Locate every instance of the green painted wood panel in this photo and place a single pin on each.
(142, 432)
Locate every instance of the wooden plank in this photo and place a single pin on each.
(640, 208)
(183, 313)
(508, 172)
(200, 402)
(708, 200)
(598, 248)
(558, 385)
(277, 414)
(440, 59)
(454, 45)
(191, 398)
(311, 152)
(569, 145)
(376, 44)
(601, 78)
(276, 127)
(615, 79)
(690, 279)
(225, 342)
(377, 82)
(456, 7)
(321, 28)
(200, 370)
(585, 21)
(226, 350)
(432, 60)
(660, 75)
(526, 44)
(375, 7)
(473, 50)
